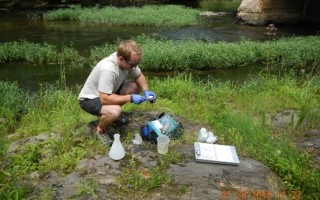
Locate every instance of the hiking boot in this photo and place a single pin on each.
(104, 137)
(122, 120)
(93, 124)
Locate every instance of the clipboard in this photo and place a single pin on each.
(156, 126)
(215, 153)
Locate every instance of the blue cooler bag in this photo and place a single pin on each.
(164, 124)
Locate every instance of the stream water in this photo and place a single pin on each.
(29, 26)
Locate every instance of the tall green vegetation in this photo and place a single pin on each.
(168, 16)
(38, 53)
(159, 55)
(219, 6)
(12, 103)
(298, 52)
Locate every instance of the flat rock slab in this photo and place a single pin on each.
(191, 180)
(95, 178)
(214, 181)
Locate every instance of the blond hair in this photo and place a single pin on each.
(126, 47)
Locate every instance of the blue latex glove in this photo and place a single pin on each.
(148, 93)
(137, 99)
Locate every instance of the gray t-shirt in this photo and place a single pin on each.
(106, 77)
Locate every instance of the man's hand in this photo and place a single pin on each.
(137, 99)
(148, 93)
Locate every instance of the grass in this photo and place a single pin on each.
(236, 113)
(185, 55)
(38, 53)
(165, 16)
(136, 181)
(219, 6)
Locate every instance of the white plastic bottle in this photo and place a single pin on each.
(137, 140)
(211, 138)
(203, 135)
(117, 151)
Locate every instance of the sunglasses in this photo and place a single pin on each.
(132, 65)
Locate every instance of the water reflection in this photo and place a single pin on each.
(29, 77)
(235, 75)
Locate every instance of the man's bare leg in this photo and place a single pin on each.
(109, 113)
(130, 87)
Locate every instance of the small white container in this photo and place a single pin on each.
(137, 139)
(163, 144)
(203, 135)
(211, 138)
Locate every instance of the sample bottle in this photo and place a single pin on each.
(211, 138)
(203, 135)
(165, 127)
(117, 151)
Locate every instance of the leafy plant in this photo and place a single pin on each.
(27, 160)
(130, 178)
(47, 194)
(89, 187)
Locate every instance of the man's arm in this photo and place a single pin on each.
(114, 99)
(142, 82)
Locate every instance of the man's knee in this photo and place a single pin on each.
(130, 87)
(113, 111)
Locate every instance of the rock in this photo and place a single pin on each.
(95, 178)
(290, 119)
(200, 180)
(34, 175)
(311, 145)
(285, 119)
(208, 181)
(20, 144)
(256, 12)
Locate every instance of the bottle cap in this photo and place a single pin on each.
(150, 98)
